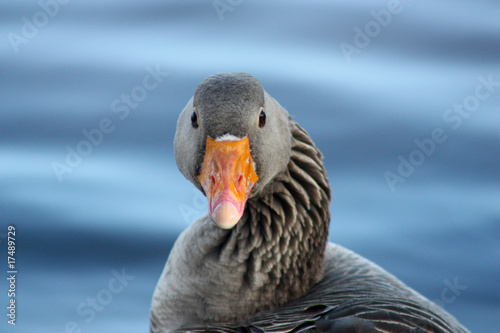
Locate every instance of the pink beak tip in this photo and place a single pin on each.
(225, 215)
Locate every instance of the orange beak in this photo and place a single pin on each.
(227, 176)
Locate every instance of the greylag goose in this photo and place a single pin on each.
(259, 261)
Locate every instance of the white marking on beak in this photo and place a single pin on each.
(227, 137)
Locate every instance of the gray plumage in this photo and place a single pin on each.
(274, 271)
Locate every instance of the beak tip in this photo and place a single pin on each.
(225, 215)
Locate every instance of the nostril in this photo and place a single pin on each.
(240, 180)
(212, 179)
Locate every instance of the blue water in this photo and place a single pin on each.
(119, 209)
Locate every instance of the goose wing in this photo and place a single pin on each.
(355, 295)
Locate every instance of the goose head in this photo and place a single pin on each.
(232, 140)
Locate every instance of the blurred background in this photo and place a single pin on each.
(402, 98)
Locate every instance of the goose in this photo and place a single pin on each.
(259, 260)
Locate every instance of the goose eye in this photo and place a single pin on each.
(262, 119)
(194, 119)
